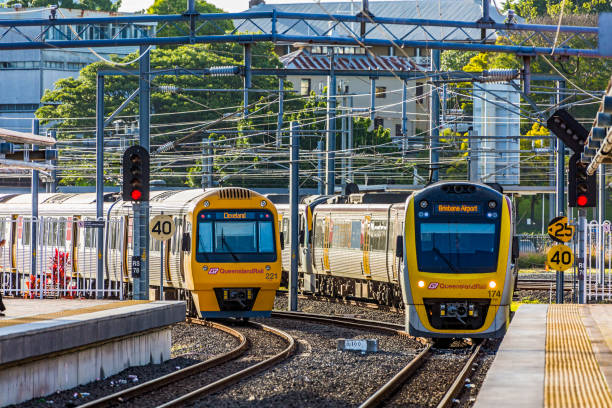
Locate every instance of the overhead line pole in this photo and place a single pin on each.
(434, 123)
(34, 218)
(100, 185)
(331, 127)
(294, 185)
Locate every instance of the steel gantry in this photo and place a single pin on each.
(277, 26)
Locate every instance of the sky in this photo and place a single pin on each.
(227, 5)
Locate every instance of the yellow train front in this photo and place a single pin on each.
(458, 274)
(234, 262)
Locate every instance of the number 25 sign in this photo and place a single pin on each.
(559, 229)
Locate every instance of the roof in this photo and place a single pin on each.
(302, 59)
(45, 12)
(457, 10)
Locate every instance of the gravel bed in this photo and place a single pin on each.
(540, 296)
(431, 381)
(190, 345)
(319, 375)
(263, 345)
(339, 309)
(468, 397)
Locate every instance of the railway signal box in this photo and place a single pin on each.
(135, 174)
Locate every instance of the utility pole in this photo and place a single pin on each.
(581, 253)
(100, 185)
(320, 169)
(350, 140)
(294, 185)
(560, 186)
(207, 164)
(247, 77)
(34, 218)
(281, 100)
(331, 126)
(141, 210)
(434, 130)
(404, 117)
(601, 217)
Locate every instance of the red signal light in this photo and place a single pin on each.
(582, 200)
(136, 194)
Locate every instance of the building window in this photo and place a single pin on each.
(18, 107)
(381, 92)
(398, 130)
(360, 51)
(316, 49)
(419, 93)
(305, 86)
(379, 122)
(54, 64)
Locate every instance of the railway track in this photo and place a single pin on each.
(389, 389)
(175, 378)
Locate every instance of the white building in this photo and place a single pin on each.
(26, 74)
(496, 158)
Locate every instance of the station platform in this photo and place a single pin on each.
(553, 356)
(57, 344)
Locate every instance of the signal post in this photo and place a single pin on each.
(582, 187)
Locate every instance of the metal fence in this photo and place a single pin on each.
(60, 259)
(532, 243)
(598, 261)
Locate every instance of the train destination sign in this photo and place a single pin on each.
(560, 258)
(458, 208)
(162, 227)
(560, 230)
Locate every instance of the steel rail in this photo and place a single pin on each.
(237, 376)
(387, 327)
(141, 389)
(390, 388)
(457, 386)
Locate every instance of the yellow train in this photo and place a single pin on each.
(458, 273)
(224, 257)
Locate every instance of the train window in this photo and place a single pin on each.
(378, 235)
(355, 234)
(205, 240)
(318, 233)
(457, 247)
(266, 237)
(27, 231)
(248, 238)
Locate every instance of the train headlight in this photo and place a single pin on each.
(421, 284)
(492, 204)
(263, 203)
(423, 204)
(492, 284)
(205, 268)
(267, 267)
(206, 203)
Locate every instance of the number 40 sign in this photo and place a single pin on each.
(162, 227)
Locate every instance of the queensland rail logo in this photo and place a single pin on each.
(213, 271)
(433, 285)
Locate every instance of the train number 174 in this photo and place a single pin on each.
(494, 293)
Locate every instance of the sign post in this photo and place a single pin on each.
(162, 228)
(559, 230)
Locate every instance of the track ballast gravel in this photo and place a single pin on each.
(319, 375)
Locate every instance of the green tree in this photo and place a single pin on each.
(162, 7)
(176, 113)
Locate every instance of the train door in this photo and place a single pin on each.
(397, 230)
(327, 238)
(366, 246)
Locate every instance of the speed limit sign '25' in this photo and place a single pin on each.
(560, 257)
(560, 230)
(162, 227)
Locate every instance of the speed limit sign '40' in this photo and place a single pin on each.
(162, 227)
(560, 257)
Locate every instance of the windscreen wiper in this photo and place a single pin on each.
(227, 247)
(450, 265)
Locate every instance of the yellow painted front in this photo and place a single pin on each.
(481, 280)
(201, 283)
(327, 231)
(366, 246)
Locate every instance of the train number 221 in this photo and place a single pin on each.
(271, 275)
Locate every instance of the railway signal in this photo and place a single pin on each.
(582, 190)
(566, 128)
(135, 174)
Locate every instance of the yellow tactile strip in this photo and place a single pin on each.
(70, 312)
(573, 377)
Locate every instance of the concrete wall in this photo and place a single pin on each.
(47, 375)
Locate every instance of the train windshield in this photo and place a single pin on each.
(457, 247)
(235, 237)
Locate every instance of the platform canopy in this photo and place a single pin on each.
(26, 138)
